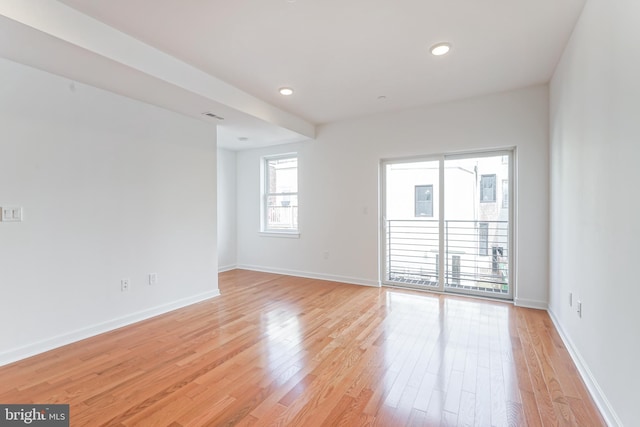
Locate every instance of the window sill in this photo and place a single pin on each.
(285, 234)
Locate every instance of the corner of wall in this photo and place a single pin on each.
(603, 404)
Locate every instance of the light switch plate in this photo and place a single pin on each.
(11, 214)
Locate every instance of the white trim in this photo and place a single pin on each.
(513, 222)
(222, 269)
(382, 220)
(310, 275)
(264, 195)
(285, 234)
(603, 404)
(530, 303)
(510, 152)
(442, 252)
(29, 350)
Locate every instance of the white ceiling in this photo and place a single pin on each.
(341, 56)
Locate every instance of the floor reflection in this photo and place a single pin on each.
(282, 337)
(441, 352)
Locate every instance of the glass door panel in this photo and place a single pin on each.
(411, 224)
(476, 225)
(446, 224)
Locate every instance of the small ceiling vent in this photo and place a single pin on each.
(215, 116)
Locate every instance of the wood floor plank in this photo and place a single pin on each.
(283, 350)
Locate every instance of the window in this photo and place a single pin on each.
(483, 238)
(424, 200)
(496, 256)
(280, 194)
(487, 188)
(455, 270)
(505, 193)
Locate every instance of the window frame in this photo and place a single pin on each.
(429, 214)
(265, 229)
(482, 187)
(509, 272)
(505, 193)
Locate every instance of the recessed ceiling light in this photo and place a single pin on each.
(440, 49)
(286, 91)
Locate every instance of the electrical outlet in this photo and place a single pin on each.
(153, 279)
(325, 254)
(570, 299)
(124, 285)
(579, 310)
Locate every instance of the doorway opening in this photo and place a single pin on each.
(447, 223)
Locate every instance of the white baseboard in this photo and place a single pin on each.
(530, 303)
(308, 275)
(29, 350)
(603, 404)
(226, 268)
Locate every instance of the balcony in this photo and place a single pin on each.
(476, 254)
(283, 217)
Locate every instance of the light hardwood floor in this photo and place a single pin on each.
(280, 350)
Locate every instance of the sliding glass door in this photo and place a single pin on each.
(412, 224)
(447, 223)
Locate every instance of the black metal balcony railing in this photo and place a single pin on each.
(476, 254)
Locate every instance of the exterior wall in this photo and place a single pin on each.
(339, 184)
(595, 147)
(111, 188)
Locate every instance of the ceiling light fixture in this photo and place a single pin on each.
(440, 49)
(286, 91)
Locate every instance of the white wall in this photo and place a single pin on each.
(227, 247)
(339, 186)
(111, 188)
(595, 232)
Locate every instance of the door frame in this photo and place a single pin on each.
(383, 220)
(511, 152)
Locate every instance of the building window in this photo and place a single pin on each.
(496, 256)
(505, 193)
(455, 270)
(424, 200)
(280, 194)
(483, 238)
(487, 188)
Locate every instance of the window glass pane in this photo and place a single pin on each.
(280, 202)
(488, 188)
(505, 193)
(282, 212)
(283, 175)
(424, 200)
(411, 211)
(412, 190)
(476, 225)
